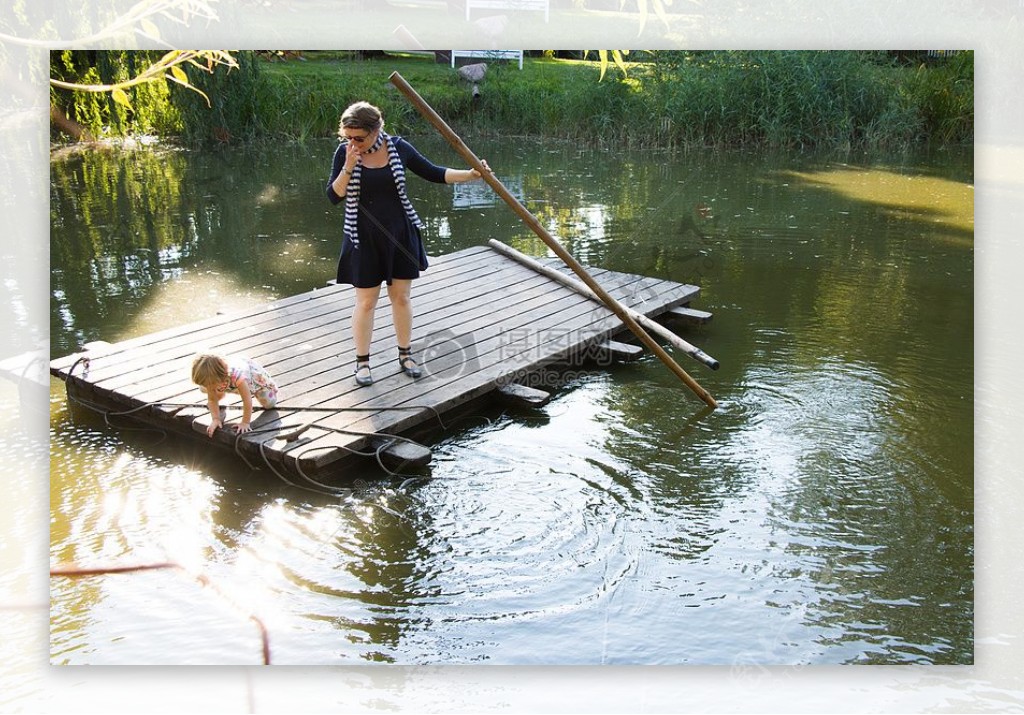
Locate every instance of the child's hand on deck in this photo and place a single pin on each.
(243, 427)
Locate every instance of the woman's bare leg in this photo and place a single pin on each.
(400, 293)
(362, 318)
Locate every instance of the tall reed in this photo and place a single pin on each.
(784, 99)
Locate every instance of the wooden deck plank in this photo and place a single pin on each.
(413, 393)
(151, 351)
(141, 380)
(324, 341)
(177, 377)
(494, 363)
(293, 338)
(417, 392)
(347, 383)
(473, 302)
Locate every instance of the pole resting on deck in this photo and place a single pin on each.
(423, 108)
(570, 282)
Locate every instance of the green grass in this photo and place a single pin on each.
(310, 95)
(548, 97)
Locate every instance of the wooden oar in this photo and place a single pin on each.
(425, 109)
(570, 282)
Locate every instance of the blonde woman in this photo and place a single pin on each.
(382, 241)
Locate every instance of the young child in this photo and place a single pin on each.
(216, 376)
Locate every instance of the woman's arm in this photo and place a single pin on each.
(345, 160)
(458, 176)
(423, 167)
(419, 164)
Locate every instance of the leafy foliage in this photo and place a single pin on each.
(617, 56)
(94, 87)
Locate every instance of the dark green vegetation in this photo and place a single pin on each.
(668, 99)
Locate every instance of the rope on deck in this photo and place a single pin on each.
(317, 486)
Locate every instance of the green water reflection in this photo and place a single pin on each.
(823, 514)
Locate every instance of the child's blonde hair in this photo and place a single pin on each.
(209, 369)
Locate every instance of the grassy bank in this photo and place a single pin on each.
(668, 99)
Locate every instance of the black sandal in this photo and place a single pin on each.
(408, 364)
(363, 363)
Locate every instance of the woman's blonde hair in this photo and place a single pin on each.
(209, 369)
(361, 115)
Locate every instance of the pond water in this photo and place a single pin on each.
(822, 514)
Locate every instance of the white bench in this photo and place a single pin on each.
(508, 5)
(489, 55)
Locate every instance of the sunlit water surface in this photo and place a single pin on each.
(822, 514)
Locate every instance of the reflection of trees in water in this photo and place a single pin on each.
(116, 229)
(390, 554)
(749, 229)
(125, 221)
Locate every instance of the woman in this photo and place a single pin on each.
(382, 242)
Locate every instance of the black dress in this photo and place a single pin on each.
(390, 245)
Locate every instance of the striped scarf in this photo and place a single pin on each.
(352, 192)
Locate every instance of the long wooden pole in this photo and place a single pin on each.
(581, 288)
(464, 151)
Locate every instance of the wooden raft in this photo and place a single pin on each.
(482, 322)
